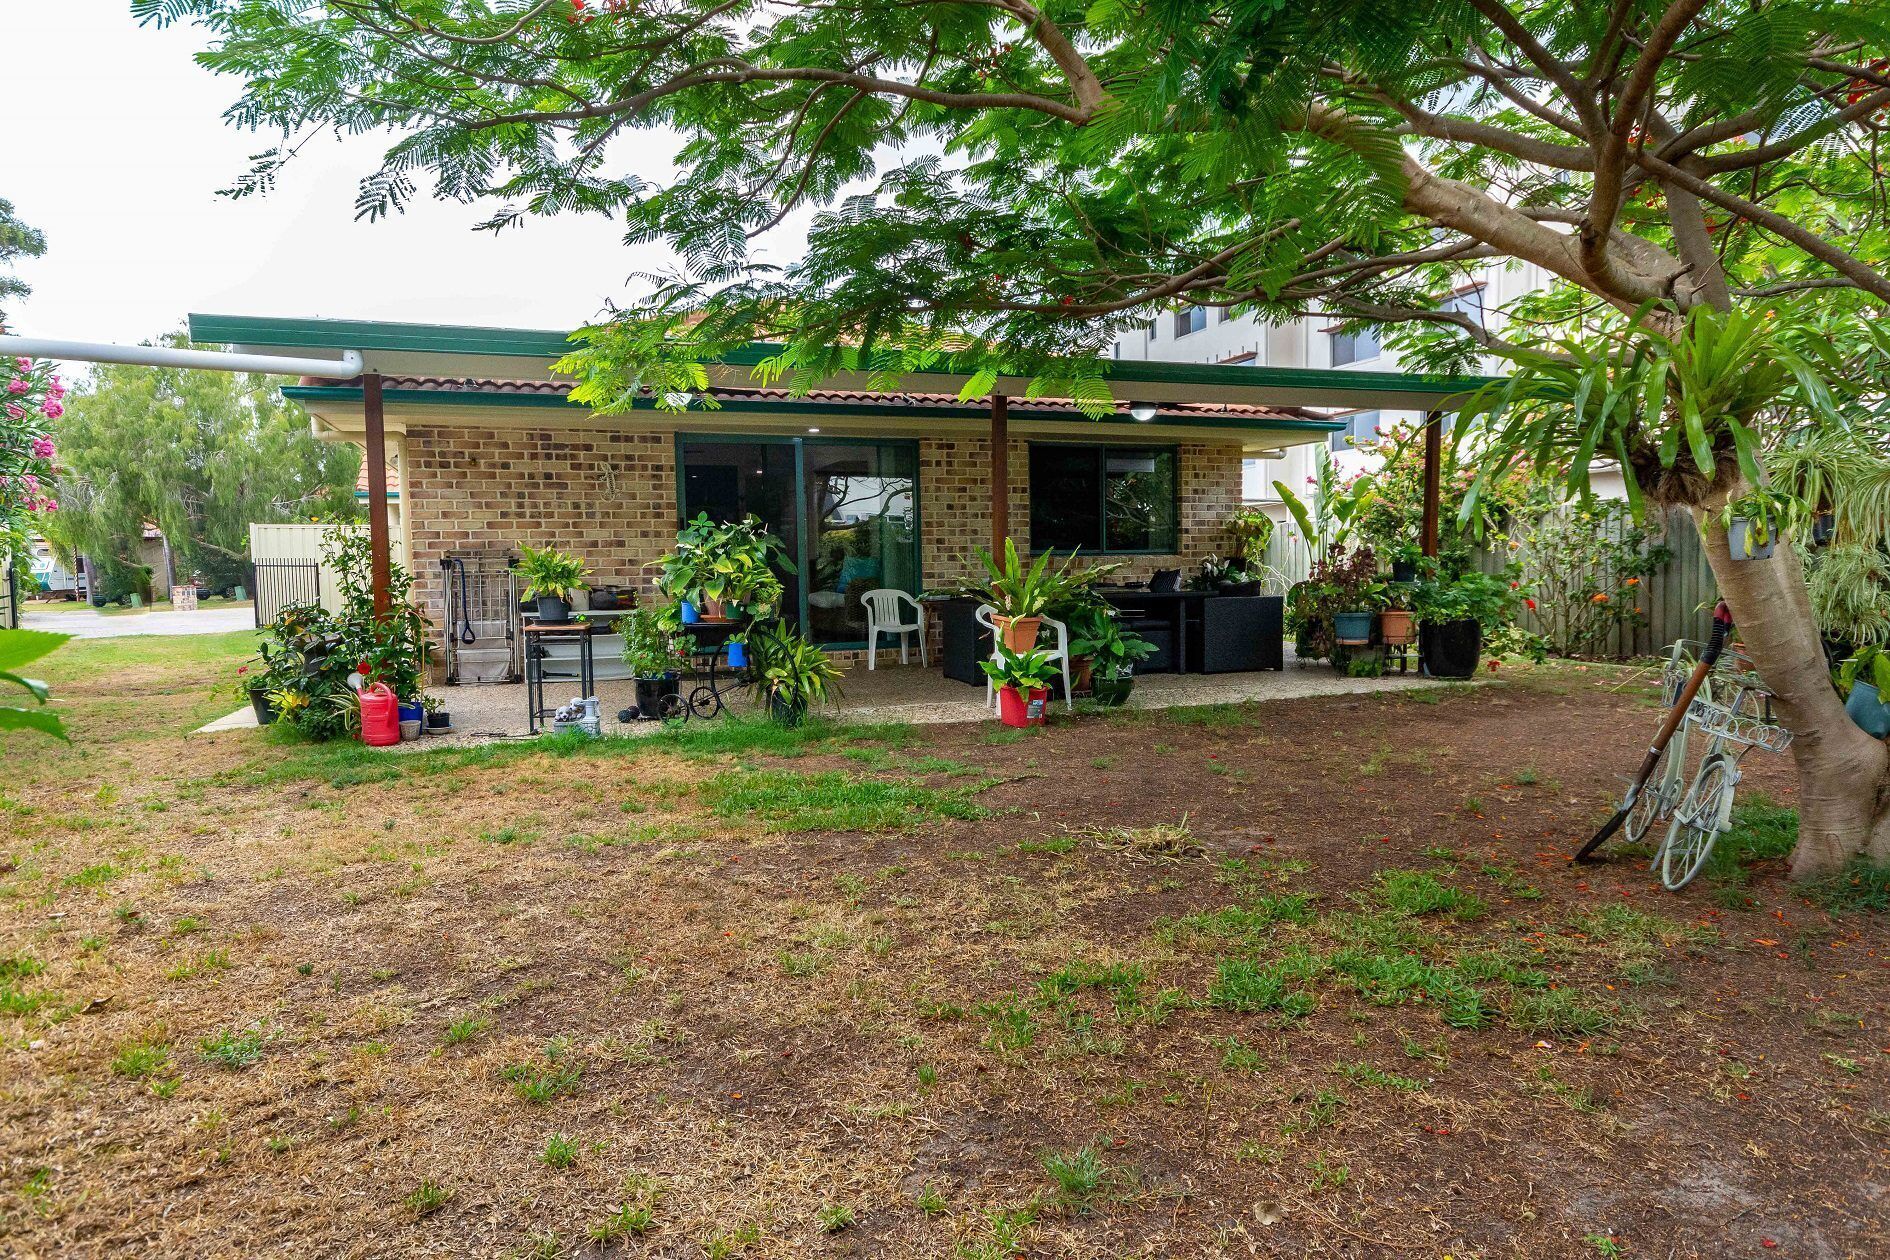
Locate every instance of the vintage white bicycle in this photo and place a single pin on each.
(1729, 716)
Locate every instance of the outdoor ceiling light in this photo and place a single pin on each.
(813, 430)
(1143, 411)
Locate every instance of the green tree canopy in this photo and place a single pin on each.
(17, 241)
(200, 454)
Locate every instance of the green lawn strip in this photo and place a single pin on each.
(833, 800)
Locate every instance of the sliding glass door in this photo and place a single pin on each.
(847, 510)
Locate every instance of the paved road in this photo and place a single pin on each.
(84, 623)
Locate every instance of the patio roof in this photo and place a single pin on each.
(522, 354)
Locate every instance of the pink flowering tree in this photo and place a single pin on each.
(31, 399)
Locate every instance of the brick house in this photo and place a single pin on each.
(868, 488)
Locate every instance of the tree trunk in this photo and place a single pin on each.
(1843, 774)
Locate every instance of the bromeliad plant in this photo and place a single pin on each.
(726, 569)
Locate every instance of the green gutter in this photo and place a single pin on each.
(785, 407)
(359, 334)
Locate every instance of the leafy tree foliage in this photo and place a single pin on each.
(200, 454)
(1014, 181)
(17, 241)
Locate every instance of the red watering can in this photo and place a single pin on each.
(380, 716)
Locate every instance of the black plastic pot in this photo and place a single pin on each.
(1244, 589)
(650, 693)
(1450, 649)
(786, 712)
(439, 720)
(1111, 691)
(265, 708)
(1404, 570)
(553, 611)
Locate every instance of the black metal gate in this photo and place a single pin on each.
(279, 582)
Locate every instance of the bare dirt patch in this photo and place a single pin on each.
(1304, 978)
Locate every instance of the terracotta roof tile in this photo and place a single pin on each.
(842, 398)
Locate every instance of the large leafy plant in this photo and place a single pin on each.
(1014, 589)
(550, 573)
(1026, 671)
(18, 649)
(736, 564)
(1342, 581)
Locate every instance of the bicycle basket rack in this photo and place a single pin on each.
(1750, 729)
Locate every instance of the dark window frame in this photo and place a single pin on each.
(1103, 450)
(1185, 321)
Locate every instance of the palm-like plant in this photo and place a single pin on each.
(793, 673)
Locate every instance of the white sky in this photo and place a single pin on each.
(115, 147)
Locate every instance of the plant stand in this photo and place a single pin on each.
(537, 636)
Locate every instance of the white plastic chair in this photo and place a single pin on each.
(1060, 654)
(885, 614)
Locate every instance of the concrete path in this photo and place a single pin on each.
(84, 623)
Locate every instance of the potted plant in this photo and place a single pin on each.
(1023, 682)
(1343, 583)
(1397, 624)
(1863, 681)
(439, 721)
(656, 653)
(1404, 562)
(550, 577)
(1249, 530)
(718, 572)
(1116, 654)
(1456, 614)
(791, 673)
(1020, 596)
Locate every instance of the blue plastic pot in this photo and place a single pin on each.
(689, 614)
(737, 655)
(1868, 710)
(1353, 627)
(412, 712)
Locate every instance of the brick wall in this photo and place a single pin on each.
(610, 498)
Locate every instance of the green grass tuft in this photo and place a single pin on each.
(832, 801)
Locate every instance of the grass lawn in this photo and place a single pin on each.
(1300, 979)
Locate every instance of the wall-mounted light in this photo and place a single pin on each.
(1143, 411)
(811, 430)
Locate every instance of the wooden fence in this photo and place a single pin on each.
(1677, 598)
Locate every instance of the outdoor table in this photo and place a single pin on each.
(536, 635)
(1177, 607)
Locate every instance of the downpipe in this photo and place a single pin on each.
(348, 366)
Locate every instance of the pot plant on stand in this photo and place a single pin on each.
(551, 577)
(724, 572)
(1020, 596)
(1457, 614)
(1023, 684)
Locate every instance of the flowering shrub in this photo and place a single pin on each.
(1587, 565)
(31, 399)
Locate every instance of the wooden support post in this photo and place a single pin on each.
(1000, 473)
(377, 491)
(1433, 470)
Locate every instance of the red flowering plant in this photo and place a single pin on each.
(30, 399)
(1587, 564)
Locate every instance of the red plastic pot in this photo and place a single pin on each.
(380, 716)
(1016, 709)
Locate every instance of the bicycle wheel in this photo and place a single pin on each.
(1655, 798)
(672, 708)
(704, 703)
(1696, 824)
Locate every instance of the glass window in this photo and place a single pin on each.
(1469, 302)
(1190, 319)
(1360, 427)
(1354, 347)
(862, 528)
(1103, 498)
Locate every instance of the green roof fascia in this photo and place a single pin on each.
(367, 334)
(773, 406)
(339, 334)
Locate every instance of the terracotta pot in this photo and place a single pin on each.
(712, 610)
(1397, 627)
(1019, 633)
(1085, 666)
